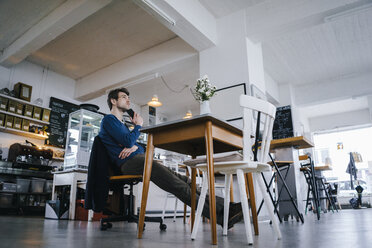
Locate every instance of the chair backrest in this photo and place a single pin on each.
(258, 118)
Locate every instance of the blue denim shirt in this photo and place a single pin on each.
(116, 136)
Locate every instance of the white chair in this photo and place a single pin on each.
(264, 112)
(173, 166)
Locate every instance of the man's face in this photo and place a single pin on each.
(123, 102)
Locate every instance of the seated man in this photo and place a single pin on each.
(129, 156)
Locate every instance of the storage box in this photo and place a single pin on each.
(37, 113)
(48, 186)
(9, 121)
(46, 115)
(2, 119)
(23, 185)
(23, 91)
(12, 106)
(28, 110)
(19, 108)
(25, 125)
(3, 103)
(6, 200)
(37, 185)
(8, 187)
(17, 123)
(55, 209)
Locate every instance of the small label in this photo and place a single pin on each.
(2, 106)
(9, 124)
(19, 111)
(12, 109)
(37, 115)
(17, 126)
(28, 113)
(25, 128)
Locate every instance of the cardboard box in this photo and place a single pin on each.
(12, 106)
(37, 113)
(2, 119)
(23, 91)
(46, 115)
(82, 214)
(28, 110)
(3, 103)
(19, 108)
(25, 125)
(17, 123)
(9, 121)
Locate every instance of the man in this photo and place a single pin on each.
(128, 156)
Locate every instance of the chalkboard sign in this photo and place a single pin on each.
(59, 121)
(283, 126)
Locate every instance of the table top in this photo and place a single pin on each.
(188, 136)
(299, 142)
(195, 120)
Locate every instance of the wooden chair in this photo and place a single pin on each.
(264, 112)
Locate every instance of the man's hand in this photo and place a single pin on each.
(127, 151)
(137, 119)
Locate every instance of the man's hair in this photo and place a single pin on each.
(114, 94)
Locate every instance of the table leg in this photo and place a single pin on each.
(193, 196)
(232, 190)
(146, 183)
(73, 196)
(184, 205)
(253, 202)
(212, 198)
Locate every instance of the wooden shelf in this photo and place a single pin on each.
(22, 133)
(24, 117)
(23, 101)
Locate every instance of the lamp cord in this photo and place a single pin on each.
(175, 91)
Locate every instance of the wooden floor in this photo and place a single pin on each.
(348, 228)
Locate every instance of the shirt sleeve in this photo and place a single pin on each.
(119, 132)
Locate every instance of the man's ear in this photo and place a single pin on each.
(113, 101)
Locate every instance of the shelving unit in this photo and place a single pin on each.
(23, 133)
(23, 101)
(25, 117)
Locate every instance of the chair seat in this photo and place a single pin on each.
(228, 167)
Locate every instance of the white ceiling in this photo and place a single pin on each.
(323, 52)
(306, 51)
(117, 31)
(16, 17)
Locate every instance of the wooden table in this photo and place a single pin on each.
(200, 135)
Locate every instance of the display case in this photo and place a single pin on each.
(83, 126)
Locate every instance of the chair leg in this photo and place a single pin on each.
(165, 206)
(245, 207)
(226, 203)
(175, 210)
(269, 206)
(200, 206)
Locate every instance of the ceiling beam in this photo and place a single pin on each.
(150, 61)
(189, 19)
(58, 21)
(272, 19)
(353, 86)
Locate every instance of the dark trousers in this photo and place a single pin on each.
(171, 182)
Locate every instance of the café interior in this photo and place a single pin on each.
(261, 104)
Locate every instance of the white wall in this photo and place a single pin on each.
(45, 83)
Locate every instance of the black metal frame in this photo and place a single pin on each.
(275, 202)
